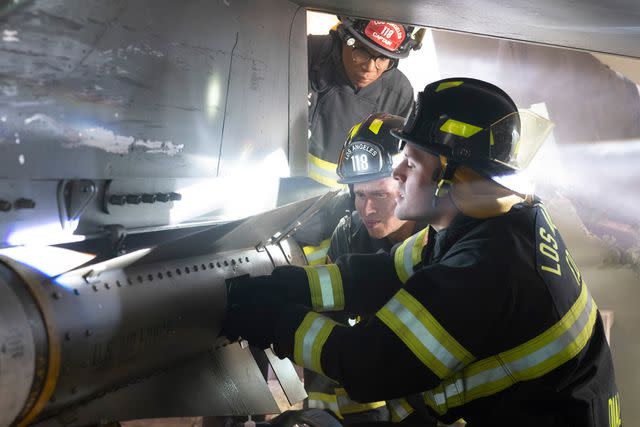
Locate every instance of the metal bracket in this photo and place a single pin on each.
(298, 222)
(73, 198)
(117, 234)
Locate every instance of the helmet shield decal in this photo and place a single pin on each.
(386, 34)
(360, 159)
(370, 150)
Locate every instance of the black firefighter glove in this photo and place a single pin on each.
(254, 321)
(285, 283)
(246, 289)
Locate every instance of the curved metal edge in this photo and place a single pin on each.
(33, 280)
(17, 354)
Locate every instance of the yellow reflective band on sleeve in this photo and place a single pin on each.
(323, 172)
(533, 359)
(614, 411)
(455, 127)
(325, 286)
(309, 339)
(348, 406)
(375, 126)
(423, 335)
(409, 254)
(324, 401)
(317, 254)
(447, 85)
(399, 409)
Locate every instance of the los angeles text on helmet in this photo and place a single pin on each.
(361, 147)
(386, 39)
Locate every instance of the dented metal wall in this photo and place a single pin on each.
(145, 98)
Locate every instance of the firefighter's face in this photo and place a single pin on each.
(416, 176)
(376, 203)
(364, 73)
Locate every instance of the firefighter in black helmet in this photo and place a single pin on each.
(365, 163)
(496, 324)
(352, 73)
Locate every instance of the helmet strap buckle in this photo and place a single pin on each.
(445, 182)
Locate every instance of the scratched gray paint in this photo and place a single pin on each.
(611, 26)
(99, 89)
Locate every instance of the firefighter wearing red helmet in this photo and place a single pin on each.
(352, 74)
(494, 324)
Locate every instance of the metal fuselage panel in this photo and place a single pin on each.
(112, 324)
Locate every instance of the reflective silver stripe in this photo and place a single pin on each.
(320, 171)
(323, 171)
(309, 339)
(423, 335)
(513, 371)
(321, 404)
(396, 406)
(326, 287)
(406, 253)
(317, 254)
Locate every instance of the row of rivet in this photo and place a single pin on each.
(140, 279)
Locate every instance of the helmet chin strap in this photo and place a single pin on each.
(445, 181)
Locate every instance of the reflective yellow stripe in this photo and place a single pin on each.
(614, 411)
(447, 85)
(317, 254)
(424, 336)
(375, 126)
(354, 130)
(459, 128)
(531, 360)
(309, 340)
(399, 409)
(324, 401)
(325, 286)
(348, 406)
(408, 254)
(323, 172)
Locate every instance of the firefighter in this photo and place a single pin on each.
(365, 164)
(495, 325)
(353, 73)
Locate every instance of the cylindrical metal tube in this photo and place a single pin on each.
(17, 350)
(108, 325)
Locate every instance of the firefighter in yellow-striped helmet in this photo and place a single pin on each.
(369, 151)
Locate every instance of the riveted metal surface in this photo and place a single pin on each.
(138, 318)
(226, 381)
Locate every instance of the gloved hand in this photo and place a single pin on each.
(246, 289)
(285, 283)
(254, 321)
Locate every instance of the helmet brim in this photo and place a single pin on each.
(368, 43)
(365, 178)
(435, 150)
(518, 183)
